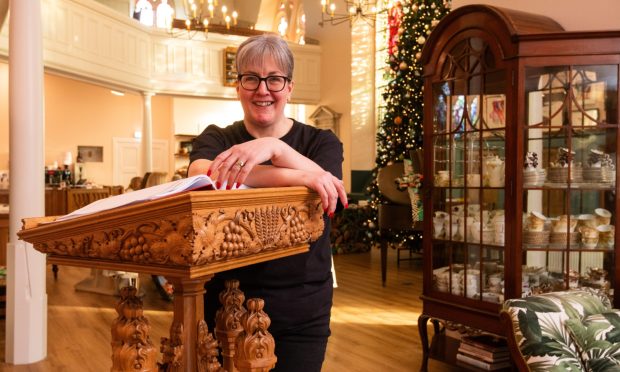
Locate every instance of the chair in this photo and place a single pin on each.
(115, 190)
(396, 215)
(153, 179)
(78, 198)
(571, 330)
(134, 184)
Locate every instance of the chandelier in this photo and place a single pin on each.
(203, 16)
(356, 10)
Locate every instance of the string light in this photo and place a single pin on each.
(402, 124)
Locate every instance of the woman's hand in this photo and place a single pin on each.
(289, 169)
(233, 165)
(329, 188)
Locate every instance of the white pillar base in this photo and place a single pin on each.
(26, 320)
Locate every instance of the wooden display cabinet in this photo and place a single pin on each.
(521, 138)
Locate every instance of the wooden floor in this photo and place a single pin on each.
(374, 328)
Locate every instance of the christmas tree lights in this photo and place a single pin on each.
(410, 22)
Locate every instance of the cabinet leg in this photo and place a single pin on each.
(436, 328)
(422, 319)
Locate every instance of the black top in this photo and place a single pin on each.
(296, 289)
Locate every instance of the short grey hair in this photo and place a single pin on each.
(252, 52)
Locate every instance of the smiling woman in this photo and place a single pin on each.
(267, 149)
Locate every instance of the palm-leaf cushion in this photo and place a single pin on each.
(538, 323)
(598, 340)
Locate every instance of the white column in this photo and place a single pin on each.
(147, 133)
(26, 318)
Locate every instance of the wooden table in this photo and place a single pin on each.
(187, 238)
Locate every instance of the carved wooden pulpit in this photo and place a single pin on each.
(187, 238)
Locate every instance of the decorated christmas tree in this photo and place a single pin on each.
(410, 22)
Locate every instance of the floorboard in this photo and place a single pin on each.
(374, 328)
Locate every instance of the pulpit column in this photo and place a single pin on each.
(184, 350)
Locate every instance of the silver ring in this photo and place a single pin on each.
(240, 163)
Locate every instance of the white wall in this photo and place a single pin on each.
(573, 15)
(335, 93)
(193, 115)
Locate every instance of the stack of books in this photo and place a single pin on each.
(485, 351)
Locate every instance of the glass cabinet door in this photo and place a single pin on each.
(468, 170)
(569, 177)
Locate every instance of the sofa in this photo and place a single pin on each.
(575, 330)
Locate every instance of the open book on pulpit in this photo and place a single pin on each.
(199, 182)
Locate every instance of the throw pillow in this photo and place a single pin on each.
(598, 339)
(542, 338)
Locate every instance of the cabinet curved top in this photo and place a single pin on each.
(490, 19)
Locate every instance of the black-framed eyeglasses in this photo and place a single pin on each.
(274, 83)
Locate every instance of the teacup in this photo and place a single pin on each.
(564, 224)
(588, 232)
(536, 221)
(606, 234)
(603, 216)
(589, 236)
(586, 220)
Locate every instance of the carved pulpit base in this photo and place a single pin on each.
(246, 344)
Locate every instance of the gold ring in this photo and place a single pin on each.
(240, 163)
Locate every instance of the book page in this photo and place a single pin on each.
(150, 193)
